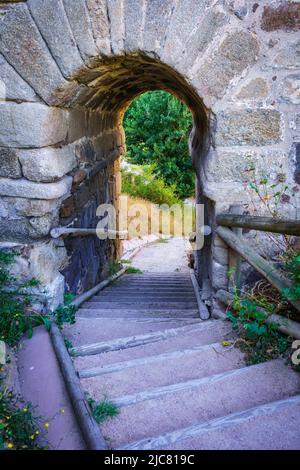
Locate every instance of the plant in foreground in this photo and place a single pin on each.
(103, 410)
(19, 428)
(133, 270)
(259, 340)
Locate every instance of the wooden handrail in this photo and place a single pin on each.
(265, 268)
(84, 232)
(265, 224)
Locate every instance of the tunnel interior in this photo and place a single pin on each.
(114, 83)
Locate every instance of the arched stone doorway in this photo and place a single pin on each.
(67, 76)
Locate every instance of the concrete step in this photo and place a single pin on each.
(138, 340)
(208, 332)
(166, 409)
(153, 295)
(137, 313)
(138, 305)
(148, 290)
(159, 284)
(154, 288)
(92, 330)
(271, 426)
(163, 275)
(137, 375)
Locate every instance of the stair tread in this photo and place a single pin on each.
(92, 330)
(129, 377)
(169, 410)
(136, 313)
(126, 342)
(208, 335)
(271, 426)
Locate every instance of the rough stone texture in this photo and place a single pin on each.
(248, 127)
(16, 88)
(37, 67)
(199, 38)
(203, 35)
(53, 24)
(219, 275)
(77, 124)
(158, 15)
(45, 260)
(180, 29)
(291, 89)
(16, 232)
(41, 226)
(47, 164)
(134, 13)
(256, 89)
(31, 190)
(243, 166)
(295, 158)
(220, 255)
(285, 16)
(55, 293)
(115, 10)
(81, 25)
(197, 49)
(9, 164)
(31, 125)
(288, 57)
(100, 24)
(238, 51)
(19, 207)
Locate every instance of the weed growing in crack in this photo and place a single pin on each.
(103, 410)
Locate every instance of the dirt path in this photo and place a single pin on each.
(164, 256)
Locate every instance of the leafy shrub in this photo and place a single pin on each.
(157, 126)
(14, 304)
(19, 428)
(293, 269)
(147, 186)
(259, 340)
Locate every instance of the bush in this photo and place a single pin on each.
(14, 304)
(157, 127)
(19, 428)
(259, 340)
(145, 185)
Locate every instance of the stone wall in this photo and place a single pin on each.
(69, 73)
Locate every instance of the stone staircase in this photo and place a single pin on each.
(140, 343)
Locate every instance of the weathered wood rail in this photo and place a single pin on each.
(265, 224)
(58, 232)
(241, 246)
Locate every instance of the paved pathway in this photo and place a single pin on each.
(140, 343)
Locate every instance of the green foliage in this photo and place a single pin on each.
(293, 269)
(68, 343)
(113, 267)
(65, 314)
(157, 126)
(103, 410)
(273, 194)
(133, 270)
(15, 319)
(19, 428)
(146, 185)
(258, 339)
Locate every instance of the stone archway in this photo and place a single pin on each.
(69, 73)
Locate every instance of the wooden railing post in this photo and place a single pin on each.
(234, 261)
